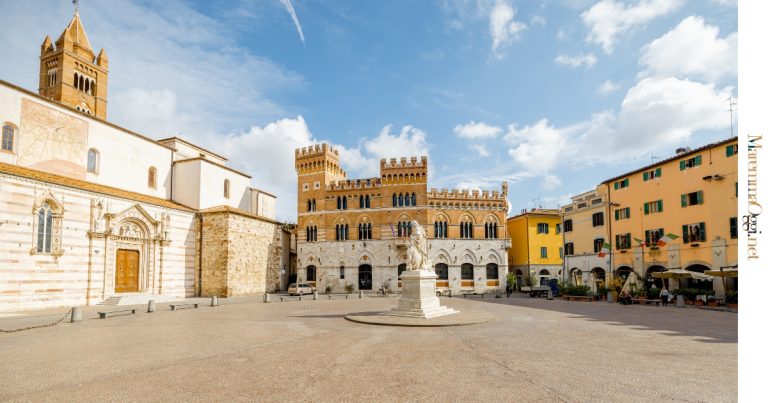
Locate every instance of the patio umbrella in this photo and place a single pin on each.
(631, 284)
(681, 273)
(724, 273)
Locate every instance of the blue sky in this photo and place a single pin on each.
(552, 96)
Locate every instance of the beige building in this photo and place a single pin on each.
(90, 211)
(585, 229)
(692, 195)
(352, 232)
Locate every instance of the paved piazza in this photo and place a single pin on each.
(534, 350)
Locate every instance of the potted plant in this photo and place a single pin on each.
(349, 288)
(328, 289)
(732, 299)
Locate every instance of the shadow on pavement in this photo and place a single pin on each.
(705, 326)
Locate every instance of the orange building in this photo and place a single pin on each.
(352, 232)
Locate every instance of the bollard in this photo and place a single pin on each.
(498, 293)
(361, 293)
(151, 306)
(609, 297)
(549, 295)
(77, 314)
(450, 293)
(680, 302)
(267, 298)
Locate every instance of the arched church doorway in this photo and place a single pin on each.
(365, 277)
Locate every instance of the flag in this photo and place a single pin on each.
(640, 242)
(667, 239)
(605, 249)
(392, 229)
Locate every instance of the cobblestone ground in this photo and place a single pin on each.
(535, 350)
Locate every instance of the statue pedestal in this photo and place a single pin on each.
(418, 299)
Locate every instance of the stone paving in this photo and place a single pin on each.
(534, 350)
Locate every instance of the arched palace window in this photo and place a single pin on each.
(44, 228)
(8, 138)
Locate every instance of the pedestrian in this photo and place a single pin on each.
(664, 294)
(509, 290)
(625, 298)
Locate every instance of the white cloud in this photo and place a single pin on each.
(538, 20)
(587, 60)
(479, 149)
(607, 87)
(289, 7)
(504, 28)
(726, 3)
(656, 114)
(267, 154)
(551, 182)
(479, 130)
(609, 19)
(692, 49)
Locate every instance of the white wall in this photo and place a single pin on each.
(263, 204)
(212, 187)
(186, 183)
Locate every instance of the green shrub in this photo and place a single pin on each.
(653, 293)
(575, 290)
(349, 288)
(732, 297)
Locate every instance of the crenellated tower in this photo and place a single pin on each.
(317, 166)
(70, 72)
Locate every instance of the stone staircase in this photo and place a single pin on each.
(137, 299)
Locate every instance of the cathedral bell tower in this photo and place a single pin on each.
(71, 74)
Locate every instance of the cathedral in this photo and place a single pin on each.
(91, 212)
(353, 233)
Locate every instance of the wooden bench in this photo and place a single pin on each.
(105, 315)
(289, 298)
(346, 296)
(473, 293)
(578, 298)
(646, 301)
(175, 307)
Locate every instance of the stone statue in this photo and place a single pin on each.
(98, 222)
(418, 258)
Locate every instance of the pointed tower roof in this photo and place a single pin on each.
(74, 32)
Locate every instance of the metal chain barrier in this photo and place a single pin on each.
(38, 326)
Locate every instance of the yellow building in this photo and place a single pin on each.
(585, 229)
(693, 196)
(537, 244)
(352, 232)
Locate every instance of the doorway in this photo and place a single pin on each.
(365, 277)
(127, 271)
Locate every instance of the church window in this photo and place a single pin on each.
(88, 86)
(152, 178)
(226, 188)
(93, 161)
(413, 199)
(8, 134)
(44, 228)
(400, 201)
(77, 81)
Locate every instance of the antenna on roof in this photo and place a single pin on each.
(653, 157)
(731, 104)
(77, 6)
(537, 201)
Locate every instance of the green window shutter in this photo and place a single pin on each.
(658, 172)
(700, 196)
(661, 232)
(682, 165)
(697, 161)
(616, 185)
(703, 232)
(729, 151)
(627, 212)
(660, 206)
(626, 182)
(685, 234)
(647, 237)
(646, 208)
(616, 215)
(684, 200)
(645, 176)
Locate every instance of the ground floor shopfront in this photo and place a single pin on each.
(461, 265)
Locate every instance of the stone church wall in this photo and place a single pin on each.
(81, 268)
(241, 254)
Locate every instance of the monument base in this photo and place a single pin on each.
(418, 299)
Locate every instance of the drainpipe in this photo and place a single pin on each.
(528, 249)
(610, 231)
(200, 256)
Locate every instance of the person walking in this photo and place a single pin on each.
(664, 294)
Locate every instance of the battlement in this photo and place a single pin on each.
(317, 150)
(465, 194)
(404, 163)
(366, 183)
